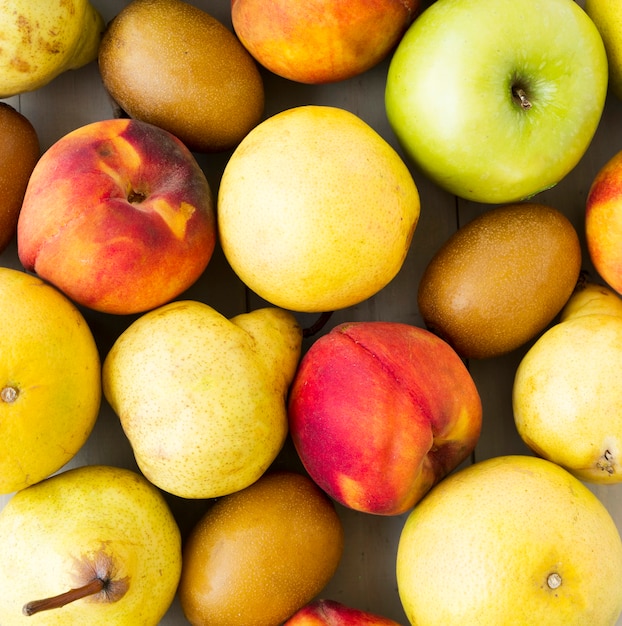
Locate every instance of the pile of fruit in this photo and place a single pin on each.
(255, 434)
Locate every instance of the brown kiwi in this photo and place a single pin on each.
(19, 152)
(500, 279)
(171, 64)
(260, 554)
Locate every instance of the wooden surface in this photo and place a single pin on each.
(366, 577)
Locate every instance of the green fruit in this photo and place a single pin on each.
(259, 555)
(171, 64)
(93, 545)
(501, 279)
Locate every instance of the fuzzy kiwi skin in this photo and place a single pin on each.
(171, 64)
(501, 279)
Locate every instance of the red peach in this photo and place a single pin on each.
(119, 216)
(603, 222)
(321, 41)
(331, 613)
(379, 412)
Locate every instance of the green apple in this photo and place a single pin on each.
(497, 100)
(607, 15)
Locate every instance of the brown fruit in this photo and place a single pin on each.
(171, 64)
(260, 554)
(500, 279)
(19, 152)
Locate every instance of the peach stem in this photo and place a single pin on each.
(94, 586)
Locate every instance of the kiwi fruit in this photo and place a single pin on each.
(260, 554)
(173, 65)
(501, 279)
(19, 153)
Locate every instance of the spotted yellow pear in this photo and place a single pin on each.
(41, 40)
(201, 397)
(567, 398)
(93, 545)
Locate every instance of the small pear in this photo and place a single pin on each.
(41, 40)
(590, 299)
(94, 545)
(200, 397)
(567, 398)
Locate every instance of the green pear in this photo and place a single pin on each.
(94, 545)
(201, 398)
(41, 40)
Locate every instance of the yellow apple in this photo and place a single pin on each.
(510, 540)
(316, 211)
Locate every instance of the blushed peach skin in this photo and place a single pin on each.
(119, 216)
(379, 412)
(321, 41)
(603, 222)
(331, 613)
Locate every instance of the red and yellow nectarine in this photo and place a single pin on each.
(381, 411)
(119, 216)
(321, 41)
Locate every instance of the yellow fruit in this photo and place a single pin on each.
(201, 397)
(90, 525)
(607, 15)
(172, 64)
(315, 210)
(42, 39)
(567, 397)
(260, 554)
(501, 279)
(19, 152)
(50, 385)
(510, 541)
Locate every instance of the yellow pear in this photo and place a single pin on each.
(510, 541)
(316, 211)
(42, 39)
(567, 396)
(98, 541)
(50, 380)
(590, 299)
(607, 15)
(200, 397)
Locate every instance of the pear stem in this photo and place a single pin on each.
(91, 588)
(317, 326)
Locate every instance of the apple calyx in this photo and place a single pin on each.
(519, 95)
(9, 394)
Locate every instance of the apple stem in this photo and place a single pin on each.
(519, 93)
(92, 587)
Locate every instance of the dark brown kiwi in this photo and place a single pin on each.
(19, 153)
(171, 64)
